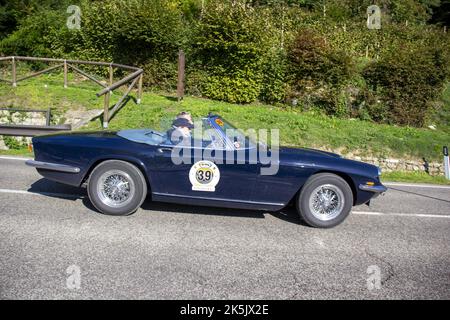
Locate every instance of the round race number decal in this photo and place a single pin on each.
(204, 176)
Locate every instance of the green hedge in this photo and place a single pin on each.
(243, 51)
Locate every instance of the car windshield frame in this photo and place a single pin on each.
(227, 143)
(248, 143)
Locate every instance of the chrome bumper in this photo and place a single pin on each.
(375, 189)
(52, 166)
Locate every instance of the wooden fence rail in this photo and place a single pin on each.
(136, 77)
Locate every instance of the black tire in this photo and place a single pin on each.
(334, 187)
(125, 174)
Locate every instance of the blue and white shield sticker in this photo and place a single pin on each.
(204, 176)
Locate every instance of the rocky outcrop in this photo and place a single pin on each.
(80, 118)
(2, 144)
(26, 118)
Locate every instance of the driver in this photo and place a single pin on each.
(180, 131)
(185, 115)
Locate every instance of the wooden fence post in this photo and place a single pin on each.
(141, 79)
(181, 66)
(109, 94)
(106, 110)
(47, 117)
(14, 75)
(65, 74)
(111, 74)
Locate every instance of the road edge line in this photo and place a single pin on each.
(396, 214)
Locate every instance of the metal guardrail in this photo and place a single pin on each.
(136, 77)
(31, 130)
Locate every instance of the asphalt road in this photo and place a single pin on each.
(49, 233)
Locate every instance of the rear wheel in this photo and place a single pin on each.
(325, 200)
(117, 187)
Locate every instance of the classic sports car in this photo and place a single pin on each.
(120, 168)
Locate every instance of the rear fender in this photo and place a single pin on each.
(133, 160)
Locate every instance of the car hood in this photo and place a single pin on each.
(326, 161)
(96, 134)
(306, 152)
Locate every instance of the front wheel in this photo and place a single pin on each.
(117, 188)
(325, 200)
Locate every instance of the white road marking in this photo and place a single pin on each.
(14, 158)
(369, 213)
(419, 215)
(45, 194)
(398, 184)
(415, 185)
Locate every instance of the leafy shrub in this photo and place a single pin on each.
(236, 88)
(195, 81)
(160, 73)
(30, 39)
(14, 143)
(231, 40)
(408, 82)
(244, 50)
(318, 73)
(273, 87)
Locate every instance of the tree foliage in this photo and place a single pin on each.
(318, 52)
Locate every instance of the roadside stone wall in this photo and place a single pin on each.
(390, 164)
(78, 118)
(2, 144)
(27, 118)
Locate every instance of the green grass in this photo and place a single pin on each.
(305, 129)
(442, 116)
(47, 91)
(413, 177)
(17, 152)
(301, 129)
(396, 176)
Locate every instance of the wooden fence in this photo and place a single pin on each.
(135, 77)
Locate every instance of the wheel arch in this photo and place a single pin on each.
(343, 175)
(136, 162)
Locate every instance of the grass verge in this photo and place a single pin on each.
(17, 152)
(395, 176)
(297, 128)
(414, 177)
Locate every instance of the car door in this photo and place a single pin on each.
(206, 173)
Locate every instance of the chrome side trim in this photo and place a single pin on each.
(218, 199)
(52, 166)
(375, 189)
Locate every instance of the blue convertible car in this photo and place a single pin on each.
(120, 168)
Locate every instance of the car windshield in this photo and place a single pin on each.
(238, 138)
(204, 134)
(212, 132)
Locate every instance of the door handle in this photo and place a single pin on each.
(161, 150)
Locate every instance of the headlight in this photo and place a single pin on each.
(379, 171)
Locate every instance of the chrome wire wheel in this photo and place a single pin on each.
(326, 202)
(115, 188)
